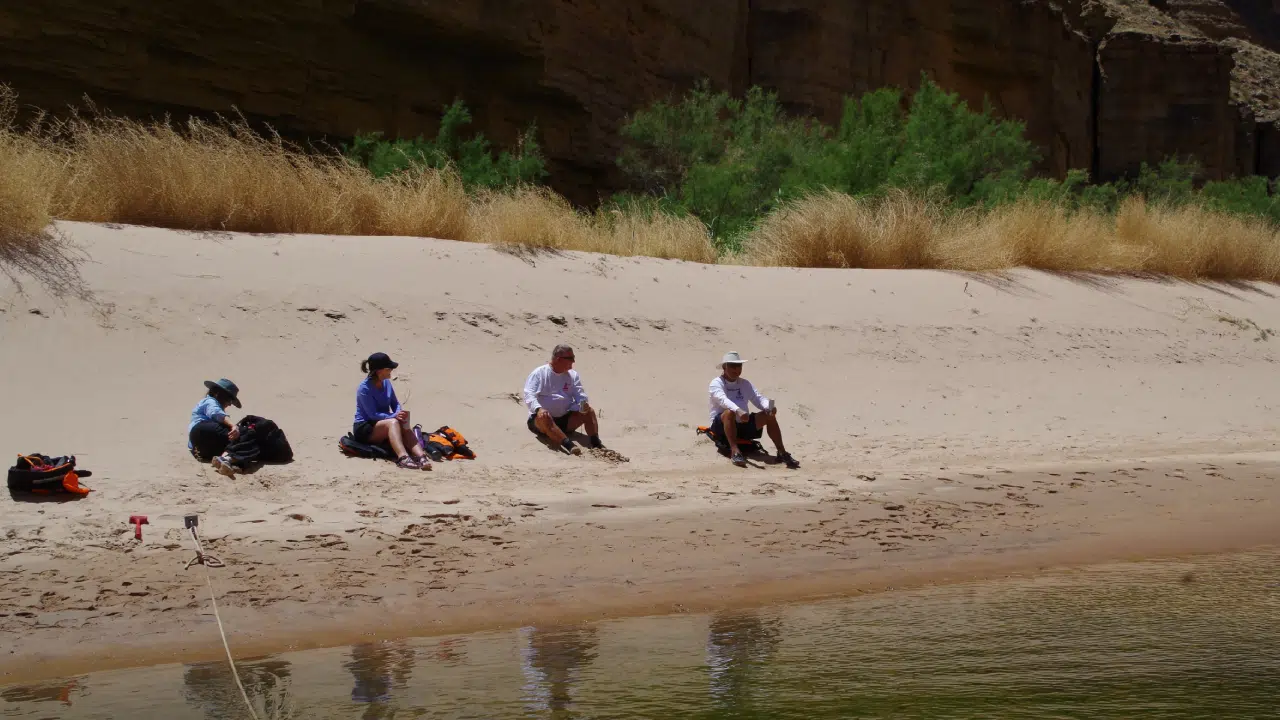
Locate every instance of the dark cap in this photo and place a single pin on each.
(380, 361)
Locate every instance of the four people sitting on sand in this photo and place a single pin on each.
(553, 394)
(730, 395)
(380, 417)
(558, 404)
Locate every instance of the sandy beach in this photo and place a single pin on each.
(949, 426)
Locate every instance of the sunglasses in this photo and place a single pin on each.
(566, 357)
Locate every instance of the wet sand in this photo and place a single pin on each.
(394, 573)
(949, 427)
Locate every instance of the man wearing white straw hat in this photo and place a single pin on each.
(731, 397)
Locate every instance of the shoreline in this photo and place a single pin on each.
(1114, 525)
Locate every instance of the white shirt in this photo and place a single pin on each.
(734, 396)
(557, 393)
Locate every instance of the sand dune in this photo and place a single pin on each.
(909, 378)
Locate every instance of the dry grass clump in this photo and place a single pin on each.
(530, 216)
(832, 230)
(655, 234)
(537, 218)
(28, 176)
(1039, 235)
(1192, 242)
(224, 176)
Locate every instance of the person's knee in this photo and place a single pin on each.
(729, 417)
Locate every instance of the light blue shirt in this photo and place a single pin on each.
(373, 403)
(206, 409)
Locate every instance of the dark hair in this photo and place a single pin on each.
(364, 366)
(222, 396)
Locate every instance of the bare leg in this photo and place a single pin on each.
(586, 420)
(411, 441)
(389, 431)
(770, 423)
(730, 430)
(547, 425)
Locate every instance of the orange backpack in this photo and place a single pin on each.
(448, 444)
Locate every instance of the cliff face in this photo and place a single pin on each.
(1101, 85)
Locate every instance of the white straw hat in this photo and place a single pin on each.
(731, 357)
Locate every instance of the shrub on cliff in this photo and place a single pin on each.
(730, 161)
(1172, 184)
(472, 159)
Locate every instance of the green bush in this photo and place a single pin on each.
(720, 158)
(1253, 195)
(730, 161)
(1171, 183)
(473, 159)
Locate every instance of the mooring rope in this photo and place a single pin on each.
(208, 561)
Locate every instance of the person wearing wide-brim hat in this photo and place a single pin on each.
(211, 429)
(731, 397)
(380, 417)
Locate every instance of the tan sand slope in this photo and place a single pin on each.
(885, 374)
(867, 366)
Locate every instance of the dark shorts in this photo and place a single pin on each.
(746, 430)
(562, 422)
(208, 439)
(362, 431)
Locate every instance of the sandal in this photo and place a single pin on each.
(408, 463)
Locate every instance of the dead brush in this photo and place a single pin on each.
(222, 175)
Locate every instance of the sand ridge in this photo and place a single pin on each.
(938, 417)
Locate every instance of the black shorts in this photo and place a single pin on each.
(362, 431)
(208, 439)
(562, 422)
(747, 430)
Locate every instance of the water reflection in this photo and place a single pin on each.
(60, 691)
(450, 651)
(211, 688)
(1132, 640)
(377, 669)
(553, 660)
(739, 647)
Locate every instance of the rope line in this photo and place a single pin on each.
(208, 561)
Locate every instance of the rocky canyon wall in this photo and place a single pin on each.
(1093, 92)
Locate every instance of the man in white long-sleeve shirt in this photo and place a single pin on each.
(731, 397)
(557, 403)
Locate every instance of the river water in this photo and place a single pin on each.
(1197, 638)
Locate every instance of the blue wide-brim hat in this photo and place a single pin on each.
(226, 386)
